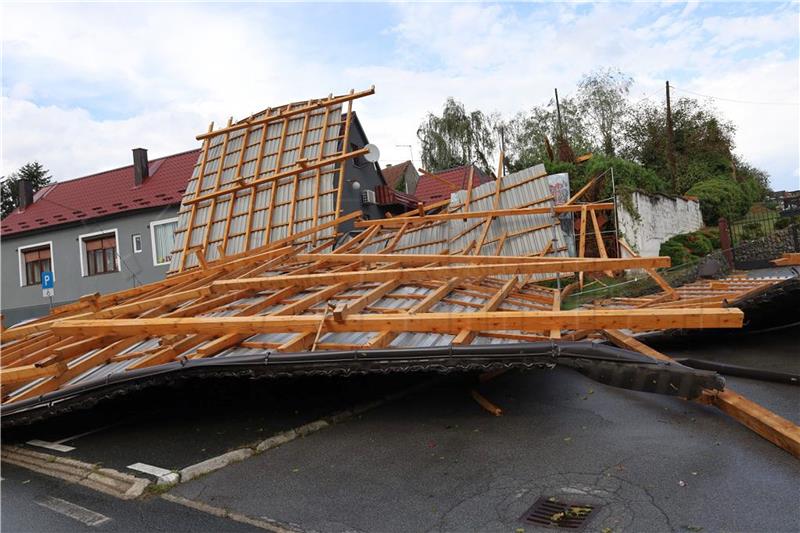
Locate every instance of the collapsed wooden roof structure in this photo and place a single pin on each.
(261, 277)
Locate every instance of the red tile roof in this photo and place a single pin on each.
(385, 195)
(103, 194)
(437, 186)
(393, 173)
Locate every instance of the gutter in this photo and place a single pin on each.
(606, 364)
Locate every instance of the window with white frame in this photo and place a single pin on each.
(162, 236)
(136, 243)
(33, 260)
(100, 254)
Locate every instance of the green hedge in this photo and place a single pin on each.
(720, 197)
(686, 247)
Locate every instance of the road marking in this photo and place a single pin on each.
(150, 469)
(76, 512)
(50, 445)
(79, 435)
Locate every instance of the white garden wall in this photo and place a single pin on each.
(660, 217)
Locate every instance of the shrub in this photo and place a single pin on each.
(785, 222)
(676, 251)
(719, 197)
(698, 244)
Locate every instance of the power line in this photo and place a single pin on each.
(733, 99)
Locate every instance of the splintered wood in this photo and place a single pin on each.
(260, 264)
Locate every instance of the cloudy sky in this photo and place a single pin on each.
(84, 83)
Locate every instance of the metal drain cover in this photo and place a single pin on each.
(554, 513)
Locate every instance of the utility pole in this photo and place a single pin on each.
(565, 153)
(558, 113)
(673, 173)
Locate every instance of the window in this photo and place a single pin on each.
(33, 261)
(162, 235)
(136, 238)
(101, 254)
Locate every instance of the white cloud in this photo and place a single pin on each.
(170, 69)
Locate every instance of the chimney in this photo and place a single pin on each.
(24, 194)
(141, 168)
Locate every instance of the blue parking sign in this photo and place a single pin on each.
(47, 280)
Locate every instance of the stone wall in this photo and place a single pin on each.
(659, 218)
(769, 247)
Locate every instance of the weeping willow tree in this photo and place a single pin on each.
(458, 137)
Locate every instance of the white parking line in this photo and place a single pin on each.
(76, 512)
(50, 445)
(60, 441)
(149, 469)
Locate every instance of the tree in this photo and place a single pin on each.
(34, 172)
(703, 141)
(457, 138)
(527, 131)
(602, 98)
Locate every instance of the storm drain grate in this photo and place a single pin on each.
(553, 513)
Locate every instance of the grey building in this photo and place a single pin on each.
(99, 233)
(115, 230)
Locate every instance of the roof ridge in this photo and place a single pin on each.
(126, 166)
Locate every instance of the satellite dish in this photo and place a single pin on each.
(356, 186)
(373, 155)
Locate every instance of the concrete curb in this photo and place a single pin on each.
(107, 480)
(126, 486)
(215, 463)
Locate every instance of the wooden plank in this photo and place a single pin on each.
(345, 148)
(469, 187)
(582, 191)
(776, 429)
(556, 332)
(345, 309)
(601, 247)
(633, 319)
(421, 259)
(23, 374)
(295, 183)
(290, 112)
(278, 176)
(276, 183)
(582, 243)
(434, 273)
(93, 360)
(466, 336)
(399, 221)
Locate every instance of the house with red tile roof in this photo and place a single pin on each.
(437, 186)
(402, 177)
(99, 233)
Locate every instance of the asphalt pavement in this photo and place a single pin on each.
(33, 503)
(435, 460)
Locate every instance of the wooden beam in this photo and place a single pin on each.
(344, 309)
(582, 191)
(598, 236)
(398, 221)
(633, 319)
(776, 429)
(313, 105)
(23, 374)
(277, 176)
(433, 273)
(582, 243)
(421, 259)
(466, 336)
